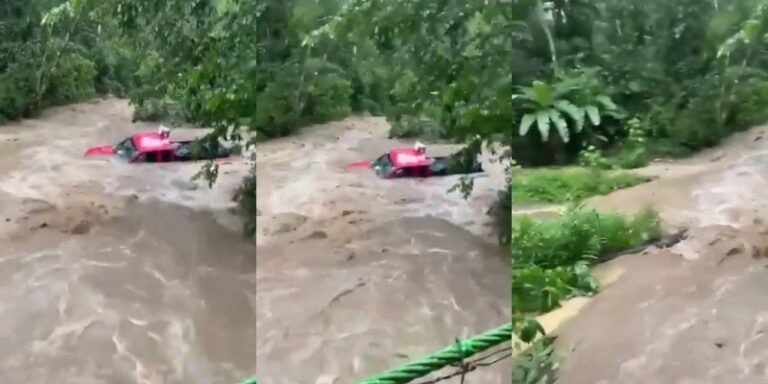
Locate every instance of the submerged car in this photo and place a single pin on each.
(412, 163)
(153, 147)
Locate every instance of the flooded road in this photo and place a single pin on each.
(358, 274)
(698, 311)
(115, 272)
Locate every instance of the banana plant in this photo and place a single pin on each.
(548, 105)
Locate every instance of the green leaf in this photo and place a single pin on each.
(542, 93)
(560, 124)
(751, 27)
(607, 102)
(594, 114)
(529, 330)
(542, 121)
(576, 113)
(525, 124)
(476, 25)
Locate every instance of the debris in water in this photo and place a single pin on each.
(284, 228)
(345, 292)
(81, 228)
(318, 235)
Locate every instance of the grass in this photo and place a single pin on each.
(550, 263)
(551, 259)
(562, 185)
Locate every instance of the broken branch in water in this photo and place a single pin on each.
(664, 242)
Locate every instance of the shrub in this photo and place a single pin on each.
(71, 80)
(535, 289)
(302, 94)
(408, 127)
(748, 104)
(17, 92)
(579, 236)
(550, 259)
(159, 110)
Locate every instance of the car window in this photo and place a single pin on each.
(125, 149)
(382, 166)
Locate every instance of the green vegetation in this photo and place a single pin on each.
(53, 53)
(568, 184)
(579, 236)
(550, 263)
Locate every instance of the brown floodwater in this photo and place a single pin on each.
(358, 274)
(115, 272)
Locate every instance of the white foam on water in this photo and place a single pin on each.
(740, 186)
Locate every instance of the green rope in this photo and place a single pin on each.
(252, 380)
(451, 355)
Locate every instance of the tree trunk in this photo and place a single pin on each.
(553, 146)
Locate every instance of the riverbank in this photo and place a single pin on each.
(672, 314)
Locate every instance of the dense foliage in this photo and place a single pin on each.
(557, 74)
(685, 73)
(52, 52)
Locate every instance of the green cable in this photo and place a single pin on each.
(447, 356)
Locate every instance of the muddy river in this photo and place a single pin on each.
(358, 274)
(115, 272)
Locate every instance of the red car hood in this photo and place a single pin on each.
(104, 150)
(360, 165)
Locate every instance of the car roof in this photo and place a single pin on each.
(407, 158)
(151, 141)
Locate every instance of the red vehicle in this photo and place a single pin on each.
(153, 147)
(409, 163)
